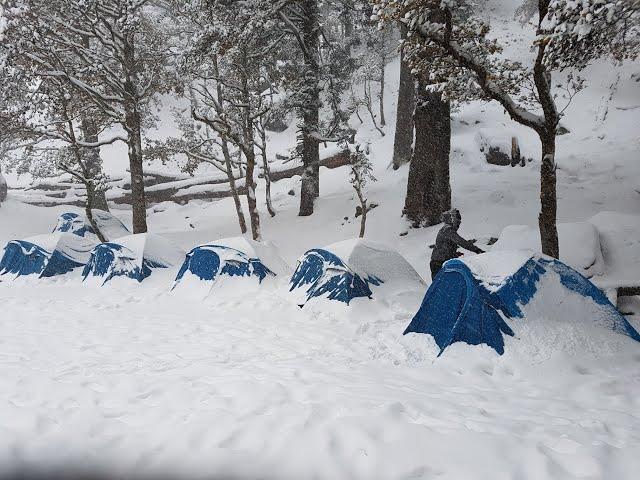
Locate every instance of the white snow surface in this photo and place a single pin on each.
(494, 268)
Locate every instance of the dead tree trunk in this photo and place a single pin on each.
(406, 104)
(428, 187)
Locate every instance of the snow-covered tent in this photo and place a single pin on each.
(46, 255)
(110, 226)
(349, 269)
(134, 256)
(230, 257)
(472, 300)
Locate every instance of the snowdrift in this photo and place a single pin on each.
(347, 270)
(134, 257)
(110, 226)
(471, 301)
(235, 257)
(46, 255)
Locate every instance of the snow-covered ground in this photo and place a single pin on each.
(135, 378)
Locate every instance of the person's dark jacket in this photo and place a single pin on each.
(447, 243)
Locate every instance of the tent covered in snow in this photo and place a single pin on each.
(110, 226)
(227, 258)
(349, 269)
(134, 256)
(472, 300)
(46, 255)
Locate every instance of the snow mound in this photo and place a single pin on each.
(134, 256)
(579, 245)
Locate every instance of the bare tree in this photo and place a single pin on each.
(111, 52)
(359, 177)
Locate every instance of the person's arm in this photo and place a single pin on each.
(466, 244)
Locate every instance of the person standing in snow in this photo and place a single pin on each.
(448, 241)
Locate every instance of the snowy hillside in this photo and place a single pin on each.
(132, 378)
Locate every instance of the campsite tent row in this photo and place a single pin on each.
(471, 301)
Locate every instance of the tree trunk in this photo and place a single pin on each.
(548, 198)
(133, 127)
(88, 209)
(310, 189)
(363, 220)
(383, 121)
(93, 162)
(428, 187)
(232, 186)
(248, 148)
(404, 120)
(266, 171)
(548, 195)
(254, 215)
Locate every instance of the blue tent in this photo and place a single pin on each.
(347, 270)
(45, 255)
(77, 224)
(322, 273)
(229, 258)
(133, 257)
(467, 302)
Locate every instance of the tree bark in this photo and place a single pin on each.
(310, 189)
(406, 103)
(428, 186)
(133, 125)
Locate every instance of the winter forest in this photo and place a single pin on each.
(323, 239)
